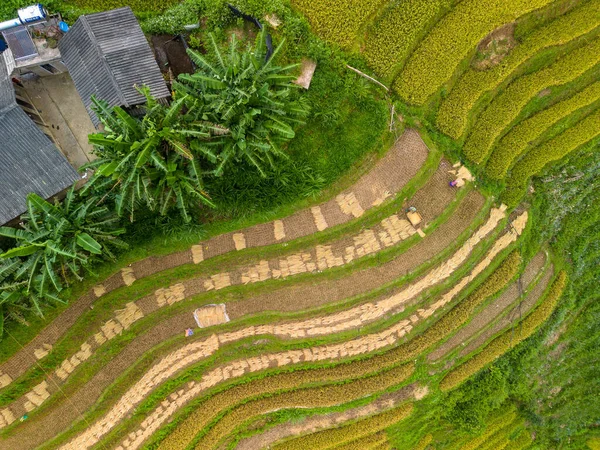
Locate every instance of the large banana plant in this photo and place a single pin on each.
(56, 242)
(244, 101)
(147, 161)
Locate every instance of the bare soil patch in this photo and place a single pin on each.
(495, 47)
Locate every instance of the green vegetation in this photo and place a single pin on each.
(519, 138)
(505, 341)
(506, 107)
(452, 40)
(453, 114)
(495, 425)
(339, 21)
(146, 161)
(395, 33)
(536, 159)
(56, 243)
(8, 8)
(242, 105)
(530, 384)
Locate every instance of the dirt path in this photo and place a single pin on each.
(491, 311)
(353, 318)
(389, 175)
(513, 315)
(431, 201)
(316, 423)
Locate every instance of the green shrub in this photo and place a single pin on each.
(508, 339)
(519, 138)
(533, 162)
(439, 54)
(522, 441)
(453, 115)
(329, 438)
(337, 21)
(392, 37)
(8, 8)
(506, 107)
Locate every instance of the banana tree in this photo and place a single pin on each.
(55, 244)
(244, 101)
(147, 161)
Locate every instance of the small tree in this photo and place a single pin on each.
(56, 243)
(244, 100)
(147, 160)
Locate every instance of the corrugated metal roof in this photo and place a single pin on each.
(7, 93)
(107, 54)
(29, 162)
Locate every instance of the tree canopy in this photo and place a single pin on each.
(245, 101)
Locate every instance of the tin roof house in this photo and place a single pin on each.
(106, 55)
(29, 160)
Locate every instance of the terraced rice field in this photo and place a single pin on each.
(346, 291)
(344, 316)
(504, 116)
